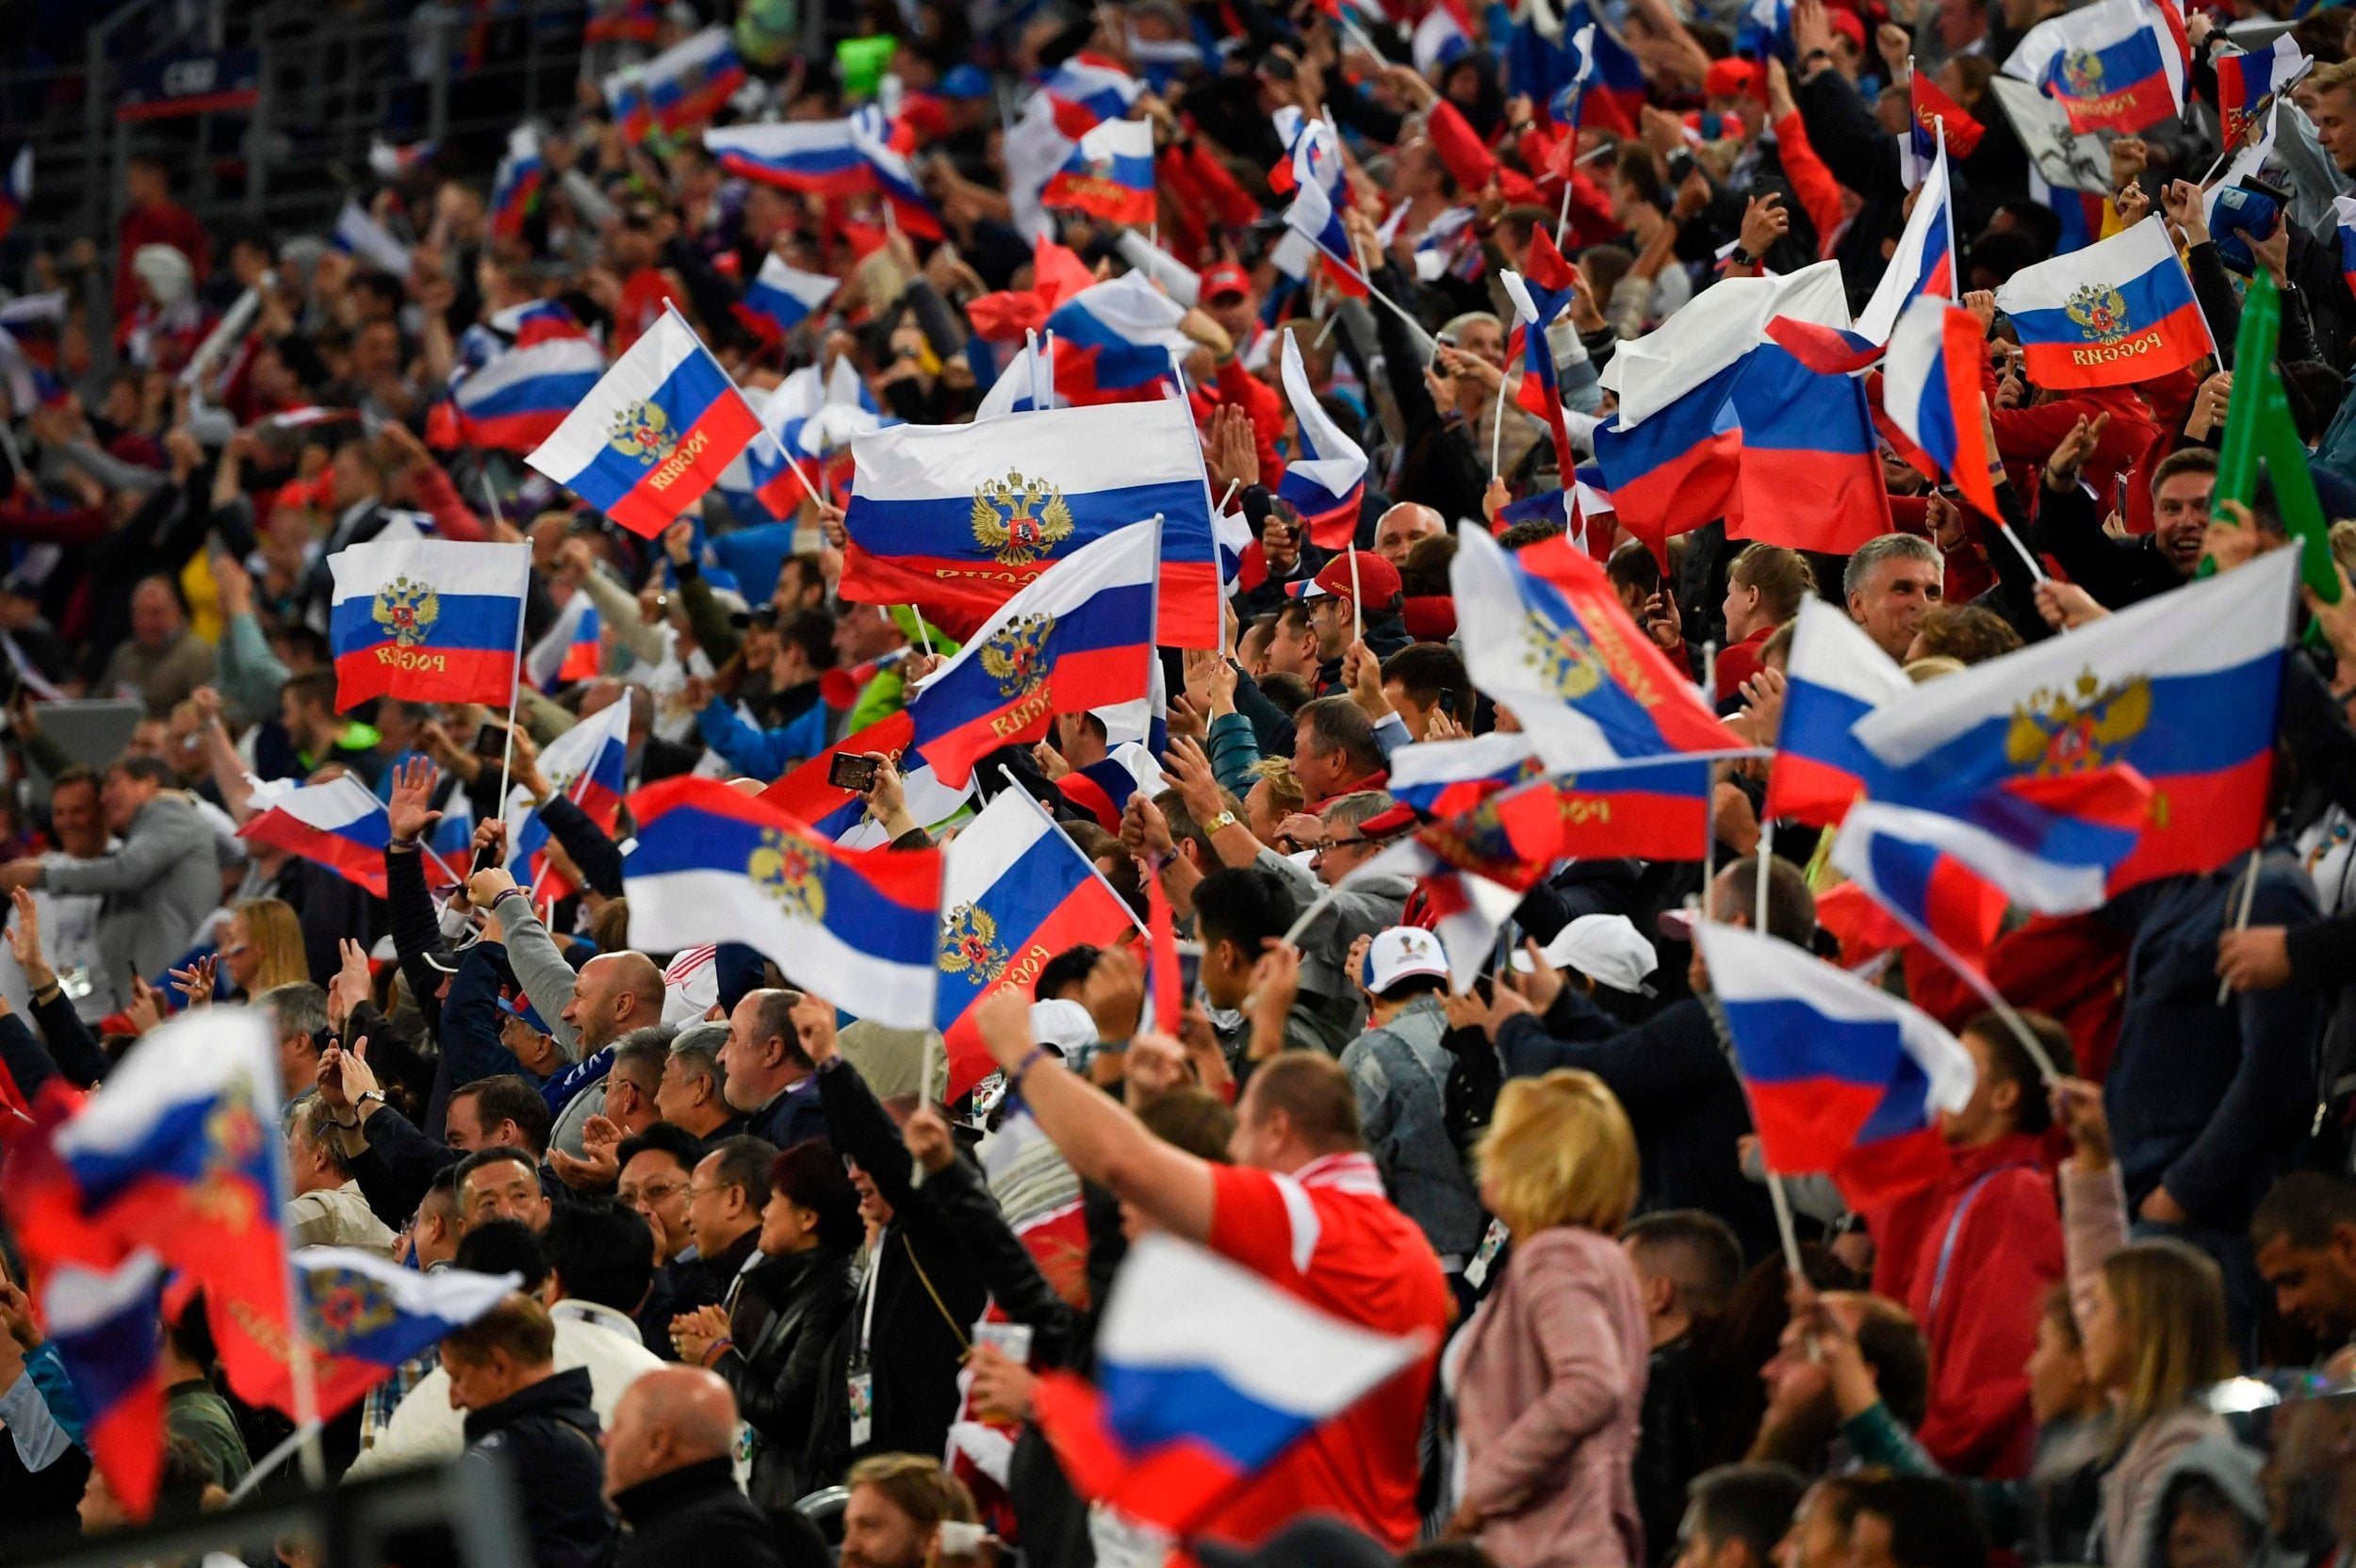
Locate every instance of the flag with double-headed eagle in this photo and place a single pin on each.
(364, 1316)
(426, 620)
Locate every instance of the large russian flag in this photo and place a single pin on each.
(1205, 1375)
(1110, 175)
(2117, 65)
(1844, 1079)
(1079, 637)
(1326, 479)
(2117, 312)
(859, 927)
(1931, 390)
(1809, 474)
(426, 620)
(1836, 676)
(102, 1323)
(967, 515)
(817, 156)
(685, 82)
(338, 824)
(1552, 641)
(655, 432)
(1924, 262)
(1676, 470)
(1015, 890)
(2181, 689)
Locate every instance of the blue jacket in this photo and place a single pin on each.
(470, 1020)
(2209, 1100)
(763, 753)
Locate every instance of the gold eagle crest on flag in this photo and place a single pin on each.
(790, 870)
(346, 1305)
(643, 430)
(1018, 520)
(232, 1139)
(407, 610)
(2081, 73)
(2100, 310)
(969, 943)
(1015, 654)
(1563, 656)
(2063, 732)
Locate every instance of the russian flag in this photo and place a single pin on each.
(1086, 90)
(1117, 342)
(1608, 78)
(784, 296)
(180, 1150)
(1446, 778)
(1676, 470)
(654, 433)
(103, 1324)
(1924, 261)
(859, 927)
(527, 380)
(517, 181)
(1836, 676)
(569, 649)
(1541, 291)
(1015, 890)
(1205, 1375)
(1936, 115)
(1810, 475)
(368, 1315)
(2118, 311)
(2344, 220)
(1440, 39)
(589, 763)
(1931, 390)
(1327, 481)
(338, 824)
(1079, 636)
(2180, 688)
(1657, 811)
(2117, 65)
(2246, 81)
(965, 515)
(1552, 641)
(1844, 1079)
(16, 191)
(1110, 175)
(815, 156)
(1537, 64)
(685, 82)
(1320, 194)
(882, 145)
(426, 620)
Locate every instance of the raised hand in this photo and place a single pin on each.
(196, 982)
(409, 815)
(927, 1137)
(24, 942)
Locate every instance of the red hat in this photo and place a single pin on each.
(1848, 24)
(1378, 581)
(1733, 78)
(1225, 278)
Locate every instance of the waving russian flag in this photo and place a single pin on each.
(1676, 470)
(103, 1323)
(859, 927)
(1320, 195)
(1836, 676)
(655, 432)
(426, 620)
(1439, 40)
(883, 144)
(1924, 262)
(517, 181)
(1844, 1079)
(965, 515)
(1117, 342)
(1541, 291)
(1327, 481)
(1809, 476)
(1086, 90)
(1110, 175)
(1653, 811)
(1605, 74)
(685, 82)
(588, 763)
(841, 814)
(784, 296)
(1446, 778)
(1544, 634)
(1936, 115)
(2246, 81)
(1931, 390)
(1027, 383)
(16, 191)
(338, 824)
(2180, 688)
(1015, 890)
(569, 649)
(1079, 636)
(1205, 1375)
(2117, 65)
(518, 376)
(2118, 311)
(817, 156)
(366, 1315)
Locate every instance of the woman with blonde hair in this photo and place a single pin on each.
(2151, 1325)
(261, 946)
(1549, 1374)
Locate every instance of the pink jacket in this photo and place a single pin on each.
(1547, 1404)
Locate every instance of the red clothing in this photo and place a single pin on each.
(2073, 967)
(643, 295)
(165, 223)
(1973, 1258)
(1327, 1236)
(1811, 182)
(2026, 437)
(1739, 661)
(1379, 779)
(1466, 156)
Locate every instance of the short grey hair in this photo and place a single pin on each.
(300, 1008)
(1881, 548)
(697, 1048)
(642, 1051)
(1355, 809)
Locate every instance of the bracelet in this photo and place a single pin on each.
(713, 1353)
(352, 1126)
(1032, 1059)
(49, 993)
(409, 845)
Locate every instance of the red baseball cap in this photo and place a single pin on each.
(1225, 278)
(1733, 78)
(1848, 24)
(1378, 581)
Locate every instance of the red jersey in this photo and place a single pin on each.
(1327, 1236)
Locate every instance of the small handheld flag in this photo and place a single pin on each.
(784, 296)
(426, 620)
(1110, 175)
(1931, 390)
(2118, 311)
(1326, 483)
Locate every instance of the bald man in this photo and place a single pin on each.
(668, 1475)
(613, 994)
(1402, 527)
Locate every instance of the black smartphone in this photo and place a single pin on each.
(486, 855)
(847, 770)
(1277, 68)
(1448, 701)
(1189, 969)
(490, 741)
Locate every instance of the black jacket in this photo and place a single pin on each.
(2117, 572)
(794, 1116)
(546, 1435)
(694, 1514)
(786, 1321)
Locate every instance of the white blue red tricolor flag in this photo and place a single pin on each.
(1110, 175)
(1836, 676)
(517, 181)
(2116, 65)
(685, 82)
(518, 375)
(1326, 479)
(426, 620)
(338, 824)
(2118, 311)
(784, 296)
(1931, 390)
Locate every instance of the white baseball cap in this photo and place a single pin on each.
(1606, 948)
(1401, 953)
(1062, 1024)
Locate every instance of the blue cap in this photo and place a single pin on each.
(966, 81)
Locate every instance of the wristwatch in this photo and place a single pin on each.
(366, 1095)
(1225, 818)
